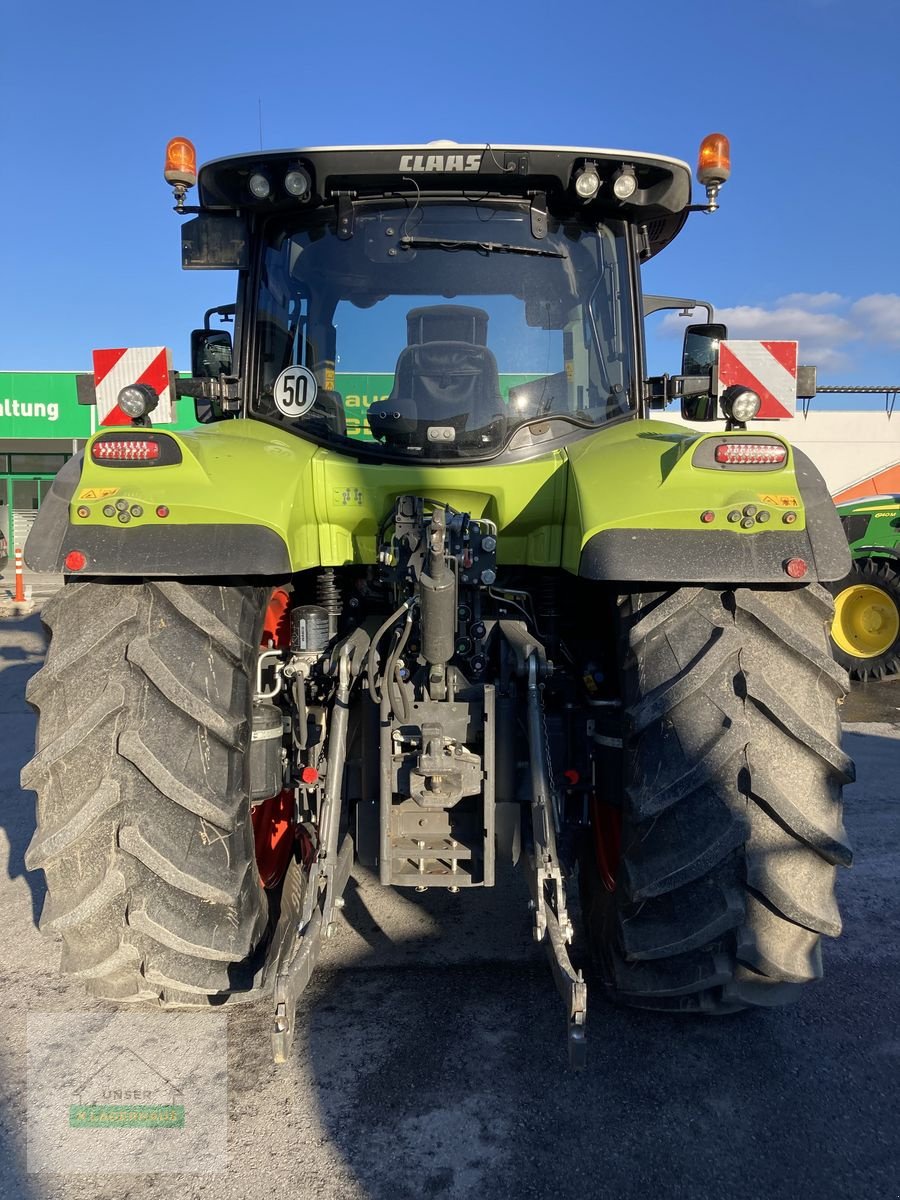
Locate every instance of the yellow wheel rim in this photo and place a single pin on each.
(866, 621)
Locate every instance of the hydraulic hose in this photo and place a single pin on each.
(381, 631)
(391, 667)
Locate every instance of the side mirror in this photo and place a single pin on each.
(211, 354)
(700, 356)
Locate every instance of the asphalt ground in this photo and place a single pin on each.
(430, 1062)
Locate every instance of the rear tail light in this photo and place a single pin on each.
(739, 453)
(130, 451)
(136, 450)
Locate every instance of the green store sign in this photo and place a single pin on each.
(41, 405)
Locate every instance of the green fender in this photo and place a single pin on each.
(648, 503)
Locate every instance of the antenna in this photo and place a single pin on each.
(259, 109)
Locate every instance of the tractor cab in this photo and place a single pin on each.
(441, 303)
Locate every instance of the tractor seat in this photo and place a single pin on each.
(446, 377)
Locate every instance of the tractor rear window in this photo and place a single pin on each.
(438, 330)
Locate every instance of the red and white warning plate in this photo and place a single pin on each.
(769, 368)
(115, 369)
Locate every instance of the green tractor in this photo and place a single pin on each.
(865, 633)
(431, 591)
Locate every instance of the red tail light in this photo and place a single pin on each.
(125, 451)
(738, 453)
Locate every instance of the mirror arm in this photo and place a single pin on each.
(226, 389)
(693, 385)
(656, 391)
(225, 312)
(660, 390)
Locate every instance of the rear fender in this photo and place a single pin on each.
(225, 501)
(635, 502)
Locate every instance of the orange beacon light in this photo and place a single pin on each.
(713, 167)
(181, 167)
(181, 162)
(714, 160)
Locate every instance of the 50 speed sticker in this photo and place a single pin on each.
(779, 501)
(295, 391)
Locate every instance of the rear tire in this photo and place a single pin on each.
(144, 830)
(865, 633)
(731, 801)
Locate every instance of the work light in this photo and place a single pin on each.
(137, 400)
(624, 183)
(740, 404)
(587, 182)
(297, 183)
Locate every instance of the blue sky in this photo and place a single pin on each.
(805, 244)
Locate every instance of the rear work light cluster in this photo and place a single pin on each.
(132, 450)
(741, 453)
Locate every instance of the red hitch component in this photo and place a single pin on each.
(274, 832)
(273, 836)
(133, 450)
(739, 453)
(277, 625)
(309, 776)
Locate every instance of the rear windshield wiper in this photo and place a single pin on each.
(413, 243)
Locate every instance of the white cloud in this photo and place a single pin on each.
(788, 322)
(810, 300)
(878, 316)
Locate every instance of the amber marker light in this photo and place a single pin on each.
(714, 160)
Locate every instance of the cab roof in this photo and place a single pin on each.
(447, 169)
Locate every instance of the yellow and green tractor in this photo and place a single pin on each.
(498, 613)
